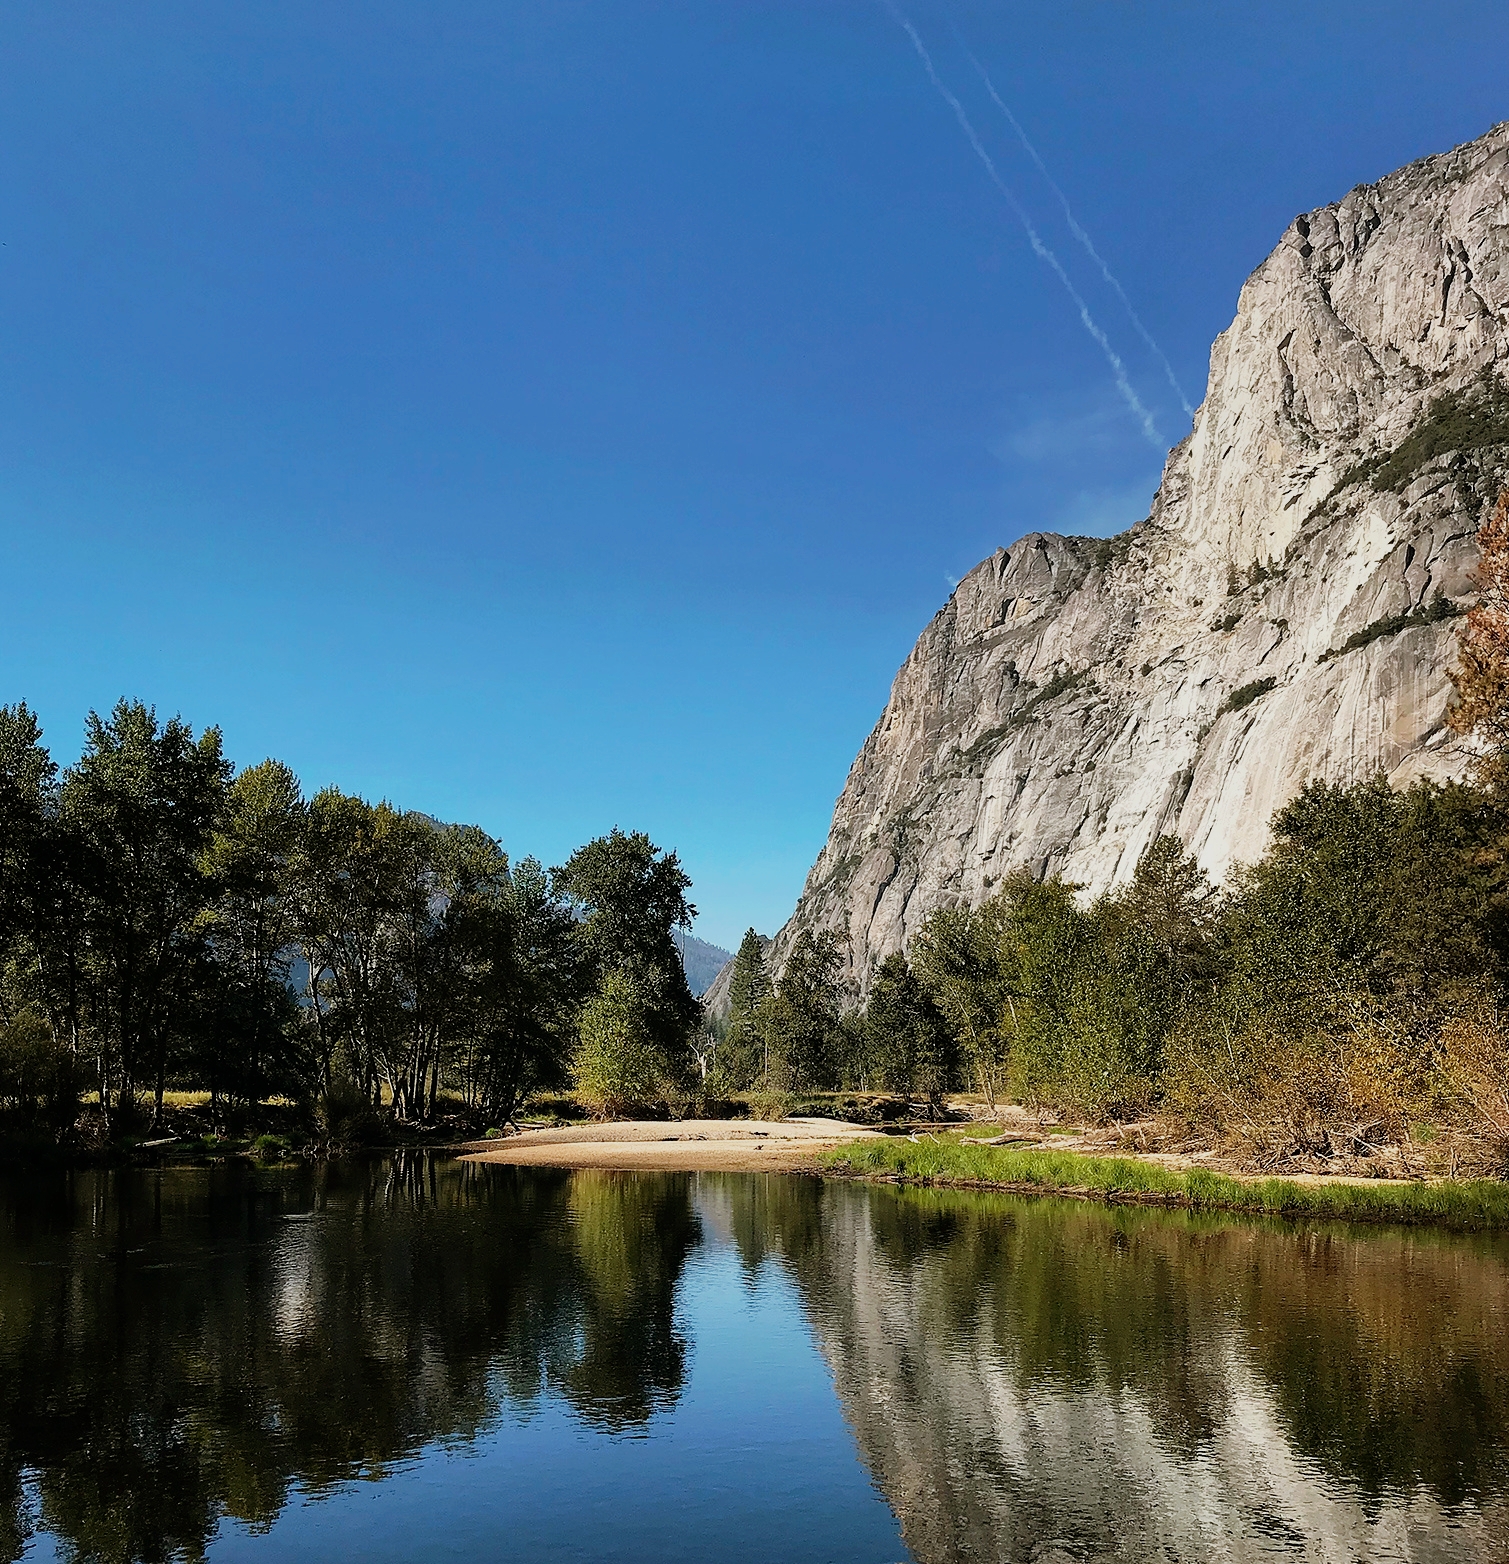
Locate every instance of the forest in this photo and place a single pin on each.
(170, 924)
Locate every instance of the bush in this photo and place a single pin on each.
(1244, 695)
(36, 1075)
(618, 1064)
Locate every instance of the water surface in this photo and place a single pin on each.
(427, 1359)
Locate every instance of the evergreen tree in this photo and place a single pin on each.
(740, 1051)
(750, 982)
(799, 1023)
(908, 1040)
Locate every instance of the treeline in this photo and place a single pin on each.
(1345, 992)
(1351, 975)
(167, 921)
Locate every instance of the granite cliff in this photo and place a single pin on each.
(1283, 612)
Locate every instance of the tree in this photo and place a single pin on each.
(749, 982)
(141, 805)
(956, 961)
(27, 778)
(799, 1022)
(909, 1041)
(629, 896)
(741, 1051)
(246, 1042)
(619, 1063)
(1481, 678)
(524, 982)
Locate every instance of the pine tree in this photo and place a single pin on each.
(750, 982)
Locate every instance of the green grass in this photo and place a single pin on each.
(1478, 1203)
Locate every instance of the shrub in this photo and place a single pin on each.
(1244, 695)
(618, 1064)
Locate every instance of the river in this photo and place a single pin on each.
(417, 1358)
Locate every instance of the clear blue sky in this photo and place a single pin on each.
(560, 415)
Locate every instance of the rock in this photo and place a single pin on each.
(1074, 698)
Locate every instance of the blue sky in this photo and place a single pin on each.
(559, 416)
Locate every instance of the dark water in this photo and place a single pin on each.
(433, 1360)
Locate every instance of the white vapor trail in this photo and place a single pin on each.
(1118, 369)
(1084, 238)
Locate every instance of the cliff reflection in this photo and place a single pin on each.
(1122, 1384)
(178, 1347)
(1026, 1380)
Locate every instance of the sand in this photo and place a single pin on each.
(679, 1146)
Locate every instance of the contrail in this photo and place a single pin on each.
(1082, 236)
(1118, 369)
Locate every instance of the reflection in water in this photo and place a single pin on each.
(175, 1347)
(1121, 1384)
(1026, 1380)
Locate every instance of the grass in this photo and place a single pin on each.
(1477, 1203)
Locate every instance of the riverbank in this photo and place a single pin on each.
(677, 1145)
(1465, 1204)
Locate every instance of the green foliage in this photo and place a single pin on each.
(907, 1039)
(619, 1063)
(1244, 695)
(740, 1052)
(803, 1044)
(1061, 683)
(749, 982)
(1468, 420)
(1469, 1204)
(165, 921)
(1113, 551)
(1437, 610)
(953, 955)
(36, 1075)
(629, 897)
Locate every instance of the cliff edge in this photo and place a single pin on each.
(1284, 611)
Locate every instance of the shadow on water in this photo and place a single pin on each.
(183, 1345)
(1026, 1380)
(1125, 1384)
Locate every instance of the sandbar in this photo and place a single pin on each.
(675, 1146)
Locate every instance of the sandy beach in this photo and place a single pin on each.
(678, 1145)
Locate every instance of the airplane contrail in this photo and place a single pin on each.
(1079, 233)
(1118, 369)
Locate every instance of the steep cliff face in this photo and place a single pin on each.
(1074, 699)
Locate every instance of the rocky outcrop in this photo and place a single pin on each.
(1282, 613)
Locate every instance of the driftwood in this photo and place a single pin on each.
(1009, 1138)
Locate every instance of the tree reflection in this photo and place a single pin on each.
(180, 1346)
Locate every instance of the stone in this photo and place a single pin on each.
(1074, 698)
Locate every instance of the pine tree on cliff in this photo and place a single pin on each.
(1482, 677)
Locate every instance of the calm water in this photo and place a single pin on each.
(432, 1360)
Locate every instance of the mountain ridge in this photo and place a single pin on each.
(1282, 612)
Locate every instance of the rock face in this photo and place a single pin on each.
(700, 961)
(1075, 699)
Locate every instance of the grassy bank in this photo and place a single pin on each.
(1478, 1203)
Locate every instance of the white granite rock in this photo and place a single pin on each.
(1069, 702)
